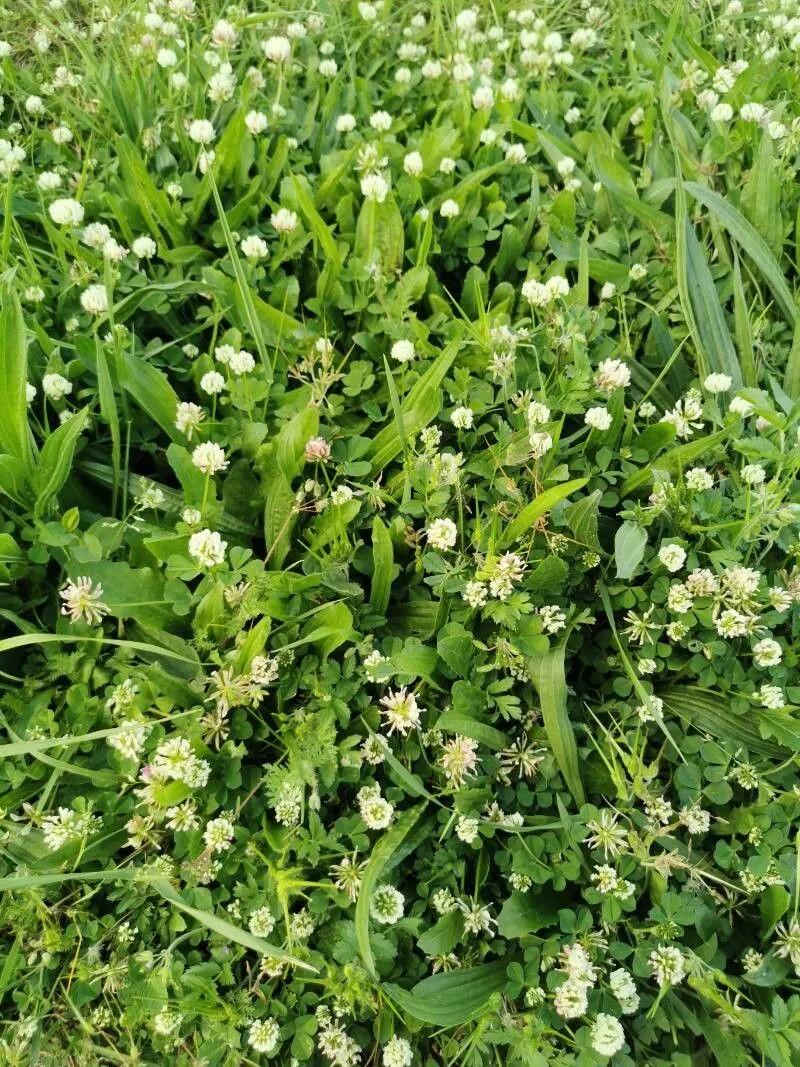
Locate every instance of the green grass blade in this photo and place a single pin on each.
(451, 998)
(381, 854)
(55, 460)
(418, 408)
(708, 712)
(226, 930)
(382, 566)
(15, 437)
(751, 242)
(531, 513)
(761, 195)
(21, 640)
(109, 411)
(253, 324)
(548, 676)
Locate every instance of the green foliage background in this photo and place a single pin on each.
(610, 716)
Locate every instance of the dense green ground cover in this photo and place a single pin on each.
(399, 534)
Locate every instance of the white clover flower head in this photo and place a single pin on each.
(403, 351)
(754, 474)
(209, 458)
(397, 1053)
(598, 418)
(374, 187)
(462, 418)
(536, 293)
(375, 810)
(718, 383)
(413, 164)
(201, 131)
(218, 834)
(459, 760)
(483, 98)
(723, 112)
(256, 122)
(381, 121)
(241, 362)
(191, 516)
(540, 443)
(571, 1000)
(83, 601)
(538, 413)
(277, 49)
(345, 123)
(767, 652)
(441, 534)
(188, 418)
(449, 209)
(261, 922)
(667, 965)
(207, 548)
(401, 711)
(607, 1035)
(771, 696)
(212, 383)
(342, 494)
(612, 374)
(695, 819)
(741, 407)
(284, 220)
(144, 247)
(698, 479)
(386, 906)
(254, 248)
(56, 386)
(624, 989)
(49, 180)
(94, 299)
(672, 556)
(114, 251)
(752, 112)
(66, 212)
(317, 450)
